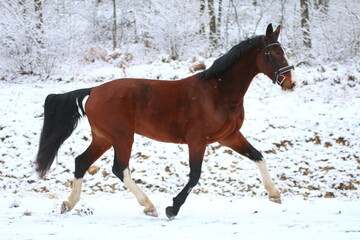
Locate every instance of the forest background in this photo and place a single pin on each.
(61, 38)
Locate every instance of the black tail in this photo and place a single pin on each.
(61, 115)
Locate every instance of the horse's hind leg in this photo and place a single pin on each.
(82, 163)
(238, 143)
(121, 170)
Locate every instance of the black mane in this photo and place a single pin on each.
(221, 64)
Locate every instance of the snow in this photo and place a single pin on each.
(310, 138)
(201, 218)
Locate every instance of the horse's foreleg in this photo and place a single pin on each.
(238, 143)
(274, 194)
(196, 157)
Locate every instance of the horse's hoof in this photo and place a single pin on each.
(64, 207)
(170, 213)
(275, 200)
(151, 213)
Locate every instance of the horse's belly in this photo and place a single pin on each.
(160, 130)
(161, 136)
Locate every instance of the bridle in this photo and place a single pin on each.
(278, 71)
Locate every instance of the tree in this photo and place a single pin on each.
(304, 4)
(212, 23)
(323, 5)
(218, 25)
(175, 33)
(202, 10)
(39, 22)
(114, 29)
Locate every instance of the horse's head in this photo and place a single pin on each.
(273, 62)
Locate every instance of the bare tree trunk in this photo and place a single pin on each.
(202, 10)
(39, 22)
(212, 16)
(114, 31)
(282, 4)
(218, 26)
(304, 4)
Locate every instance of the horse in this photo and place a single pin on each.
(198, 110)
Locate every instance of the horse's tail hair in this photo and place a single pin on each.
(61, 115)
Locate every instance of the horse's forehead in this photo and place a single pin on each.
(271, 39)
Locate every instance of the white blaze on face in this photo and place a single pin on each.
(293, 75)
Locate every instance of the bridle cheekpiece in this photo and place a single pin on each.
(278, 71)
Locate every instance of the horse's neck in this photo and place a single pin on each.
(236, 80)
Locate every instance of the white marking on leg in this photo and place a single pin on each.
(140, 195)
(267, 181)
(74, 196)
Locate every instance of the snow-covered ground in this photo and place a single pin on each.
(202, 217)
(310, 137)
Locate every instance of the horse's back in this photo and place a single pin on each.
(154, 108)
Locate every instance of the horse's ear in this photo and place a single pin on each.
(269, 30)
(277, 31)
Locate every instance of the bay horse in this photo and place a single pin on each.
(198, 110)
